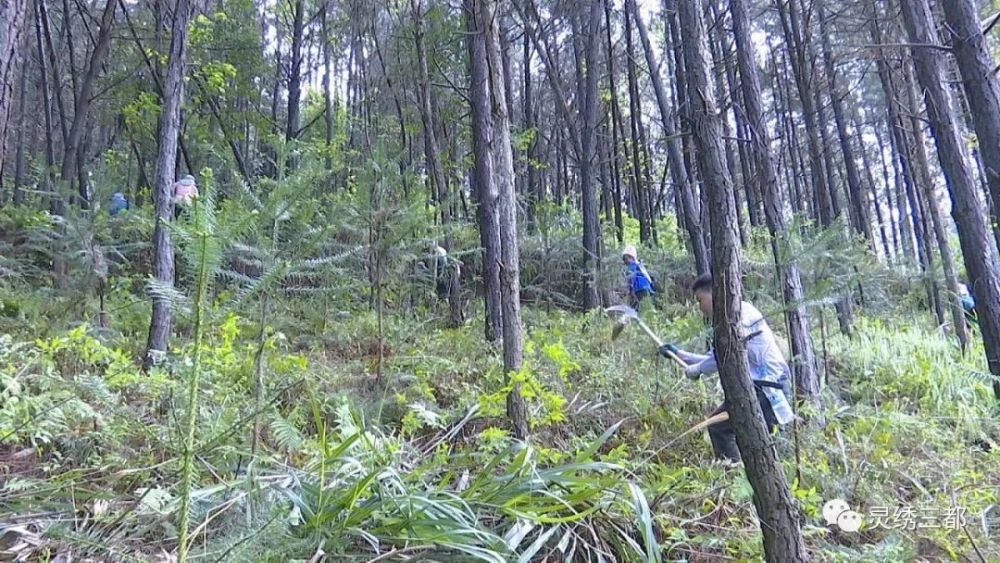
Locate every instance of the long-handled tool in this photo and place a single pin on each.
(628, 314)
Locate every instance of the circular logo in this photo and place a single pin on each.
(849, 521)
(834, 508)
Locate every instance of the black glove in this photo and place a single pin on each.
(667, 349)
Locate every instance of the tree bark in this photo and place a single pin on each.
(803, 74)
(18, 196)
(675, 160)
(293, 120)
(435, 169)
(163, 252)
(491, 139)
(71, 152)
(641, 186)
(615, 156)
(327, 89)
(775, 506)
(588, 146)
(930, 205)
(860, 220)
(807, 382)
(483, 173)
(873, 192)
(977, 249)
(980, 84)
(11, 26)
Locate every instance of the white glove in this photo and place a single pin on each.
(692, 372)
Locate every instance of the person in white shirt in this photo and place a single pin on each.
(768, 370)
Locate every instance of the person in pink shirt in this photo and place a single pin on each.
(185, 190)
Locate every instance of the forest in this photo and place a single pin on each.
(499, 280)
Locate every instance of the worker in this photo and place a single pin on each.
(118, 204)
(640, 285)
(185, 190)
(441, 273)
(768, 371)
(968, 303)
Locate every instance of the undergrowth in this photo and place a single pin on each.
(421, 464)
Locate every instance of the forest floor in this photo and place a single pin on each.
(416, 464)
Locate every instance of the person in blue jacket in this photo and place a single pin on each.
(640, 285)
(119, 203)
(968, 303)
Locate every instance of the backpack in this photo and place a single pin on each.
(653, 281)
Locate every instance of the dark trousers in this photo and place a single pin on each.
(724, 437)
(636, 297)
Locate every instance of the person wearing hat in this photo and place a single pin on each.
(185, 190)
(118, 204)
(640, 285)
(968, 303)
(441, 272)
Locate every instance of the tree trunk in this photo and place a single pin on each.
(532, 185)
(803, 73)
(292, 123)
(641, 186)
(930, 205)
(615, 157)
(484, 172)
(170, 118)
(327, 90)
(56, 74)
(11, 26)
(873, 191)
(859, 208)
(18, 196)
(807, 382)
(893, 227)
(675, 160)
(980, 84)
(491, 139)
(588, 150)
(772, 499)
(71, 151)
(435, 169)
(977, 249)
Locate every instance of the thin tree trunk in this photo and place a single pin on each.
(804, 75)
(438, 180)
(982, 91)
(81, 110)
(636, 167)
(675, 160)
(893, 227)
(163, 252)
(484, 172)
(873, 192)
(11, 26)
(977, 249)
(292, 123)
(492, 144)
(617, 129)
(588, 146)
(532, 186)
(859, 210)
(807, 382)
(327, 90)
(614, 160)
(777, 511)
(55, 71)
(19, 181)
(930, 205)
